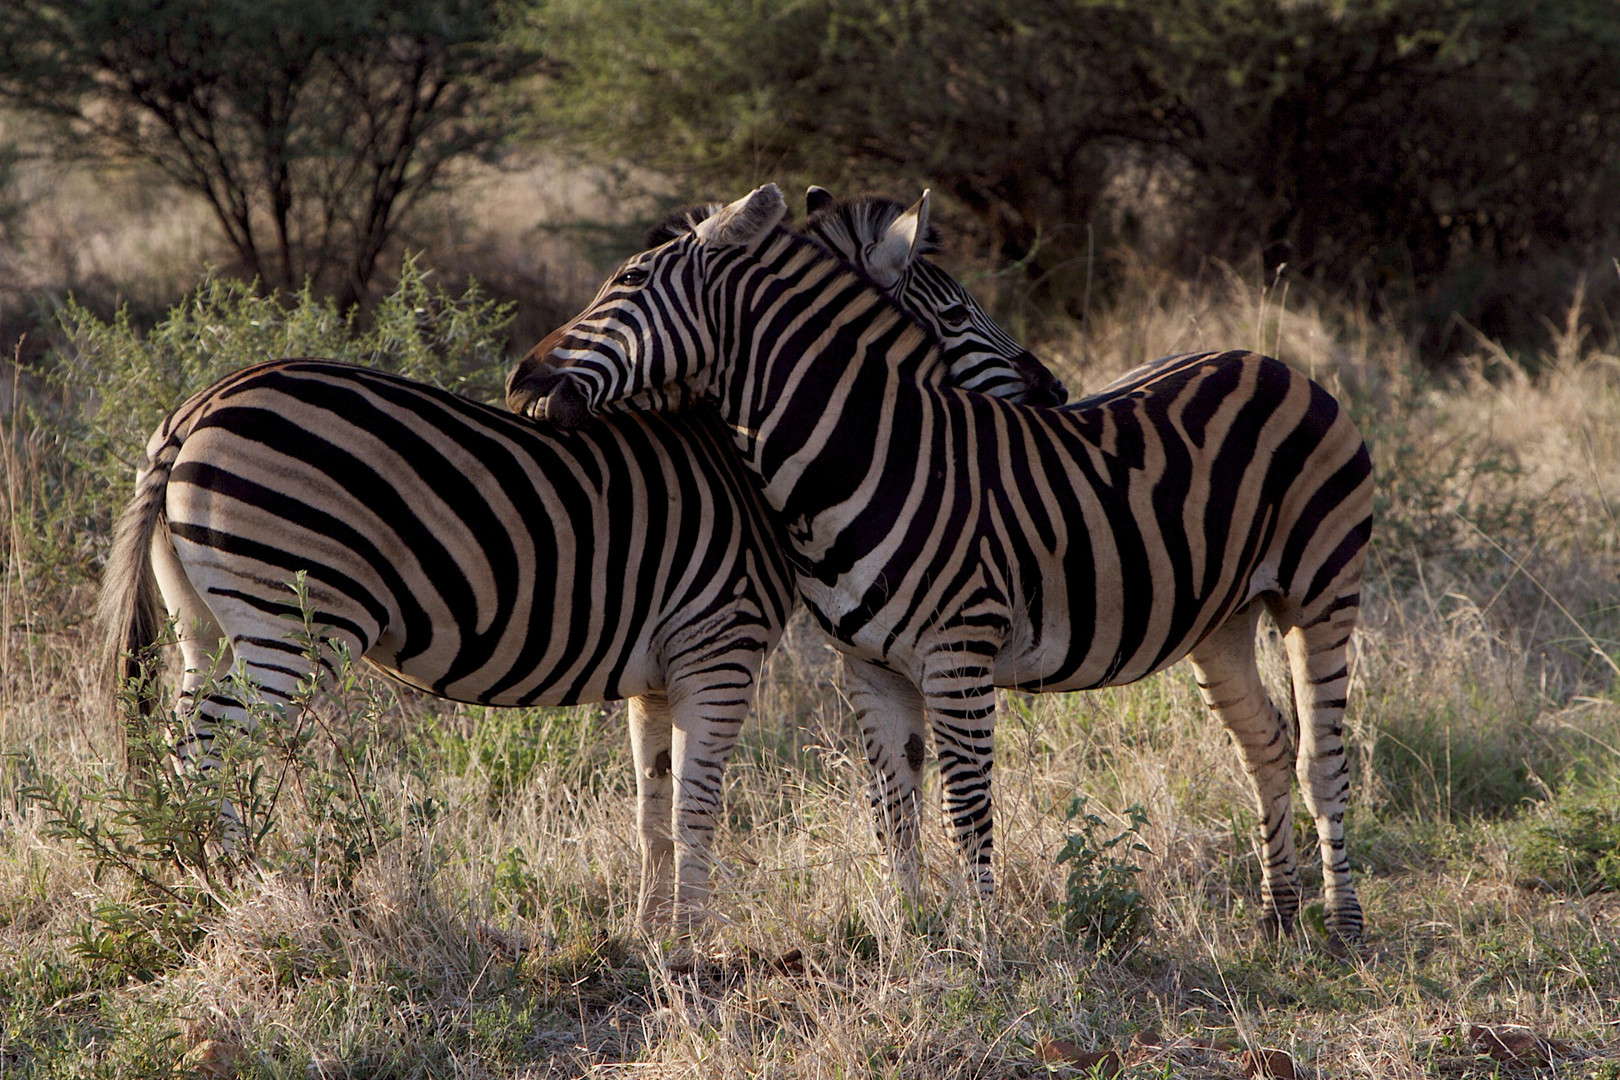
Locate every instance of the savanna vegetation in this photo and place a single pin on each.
(1412, 200)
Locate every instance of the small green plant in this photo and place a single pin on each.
(1102, 908)
(160, 834)
(170, 842)
(1572, 841)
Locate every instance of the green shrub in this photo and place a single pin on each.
(168, 842)
(72, 452)
(136, 379)
(1571, 841)
(1102, 907)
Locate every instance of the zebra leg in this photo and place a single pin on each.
(205, 659)
(265, 673)
(206, 699)
(891, 715)
(227, 689)
(650, 738)
(1229, 679)
(707, 707)
(962, 710)
(1318, 655)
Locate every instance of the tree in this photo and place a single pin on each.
(1417, 148)
(1441, 153)
(311, 128)
(1012, 106)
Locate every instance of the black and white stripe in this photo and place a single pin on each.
(469, 552)
(952, 543)
(887, 241)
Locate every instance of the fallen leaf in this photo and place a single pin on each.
(1064, 1052)
(1267, 1064)
(213, 1059)
(1054, 1051)
(1507, 1045)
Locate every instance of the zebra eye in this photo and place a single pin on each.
(633, 276)
(955, 316)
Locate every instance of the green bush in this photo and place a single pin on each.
(136, 379)
(1102, 907)
(71, 451)
(1571, 841)
(1340, 138)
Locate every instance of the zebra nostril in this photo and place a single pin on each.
(566, 405)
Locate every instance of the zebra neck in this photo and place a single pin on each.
(820, 376)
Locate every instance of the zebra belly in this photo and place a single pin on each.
(1104, 647)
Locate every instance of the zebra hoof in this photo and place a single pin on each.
(1274, 926)
(1345, 930)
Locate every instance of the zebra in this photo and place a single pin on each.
(978, 351)
(475, 555)
(951, 544)
(887, 242)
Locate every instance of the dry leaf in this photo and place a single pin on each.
(213, 1059)
(1267, 1064)
(1508, 1045)
(1064, 1052)
(1055, 1051)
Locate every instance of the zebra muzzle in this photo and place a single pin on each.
(1045, 390)
(541, 392)
(566, 405)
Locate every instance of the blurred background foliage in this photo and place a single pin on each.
(1445, 159)
(309, 128)
(1453, 164)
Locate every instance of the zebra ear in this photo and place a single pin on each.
(888, 257)
(745, 220)
(817, 199)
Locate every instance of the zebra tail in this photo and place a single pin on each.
(130, 613)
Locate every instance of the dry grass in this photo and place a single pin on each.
(494, 937)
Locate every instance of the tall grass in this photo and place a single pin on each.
(487, 927)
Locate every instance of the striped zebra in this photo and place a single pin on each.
(887, 241)
(979, 352)
(951, 543)
(475, 555)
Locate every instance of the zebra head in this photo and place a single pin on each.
(877, 236)
(640, 338)
(887, 242)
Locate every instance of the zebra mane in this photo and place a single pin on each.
(679, 222)
(852, 223)
(847, 226)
